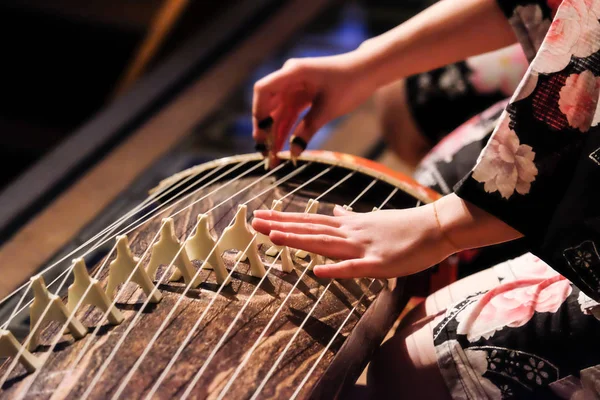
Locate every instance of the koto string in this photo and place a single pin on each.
(159, 331)
(299, 329)
(66, 275)
(224, 336)
(119, 293)
(127, 215)
(297, 391)
(125, 230)
(211, 356)
(265, 330)
(311, 370)
(192, 331)
(96, 330)
(59, 335)
(105, 364)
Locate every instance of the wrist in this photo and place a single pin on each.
(467, 226)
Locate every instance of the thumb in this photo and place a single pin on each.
(340, 211)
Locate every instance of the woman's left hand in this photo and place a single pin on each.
(380, 244)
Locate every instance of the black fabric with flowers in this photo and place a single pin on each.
(541, 167)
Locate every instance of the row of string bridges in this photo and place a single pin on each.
(137, 316)
(200, 245)
(20, 353)
(151, 297)
(159, 331)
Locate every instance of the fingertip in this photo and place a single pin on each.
(273, 160)
(297, 145)
(321, 271)
(261, 214)
(339, 211)
(262, 149)
(277, 237)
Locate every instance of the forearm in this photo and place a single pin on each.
(446, 32)
(467, 226)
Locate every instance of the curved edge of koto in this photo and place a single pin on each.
(368, 333)
(350, 162)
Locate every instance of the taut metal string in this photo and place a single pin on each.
(159, 331)
(299, 329)
(335, 335)
(96, 330)
(105, 364)
(154, 196)
(265, 330)
(192, 331)
(66, 276)
(125, 230)
(231, 326)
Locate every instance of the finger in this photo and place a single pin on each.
(297, 217)
(355, 268)
(288, 117)
(340, 211)
(262, 126)
(267, 98)
(310, 124)
(328, 246)
(266, 92)
(284, 120)
(265, 227)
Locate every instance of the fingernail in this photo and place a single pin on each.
(266, 123)
(261, 148)
(298, 141)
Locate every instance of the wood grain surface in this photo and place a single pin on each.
(60, 379)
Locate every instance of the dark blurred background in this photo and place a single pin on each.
(64, 60)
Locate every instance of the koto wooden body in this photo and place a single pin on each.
(343, 360)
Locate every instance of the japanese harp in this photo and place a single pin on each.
(191, 303)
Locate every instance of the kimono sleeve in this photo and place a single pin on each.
(530, 19)
(540, 170)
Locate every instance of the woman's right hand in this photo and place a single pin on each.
(330, 86)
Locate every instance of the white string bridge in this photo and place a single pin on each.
(311, 208)
(49, 307)
(237, 236)
(86, 290)
(126, 265)
(168, 250)
(202, 246)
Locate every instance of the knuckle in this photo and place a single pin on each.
(311, 227)
(326, 240)
(259, 86)
(294, 64)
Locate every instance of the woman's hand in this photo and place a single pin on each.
(385, 244)
(330, 86)
(380, 244)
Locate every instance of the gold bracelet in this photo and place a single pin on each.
(437, 219)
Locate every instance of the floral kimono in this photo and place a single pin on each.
(536, 335)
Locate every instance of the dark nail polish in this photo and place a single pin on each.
(298, 141)
(265, 123)
(260, 147)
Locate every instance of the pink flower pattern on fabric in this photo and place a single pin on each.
(500, 70)
(579, 98)
(575, 31)
(505, 165)
(513, 307)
